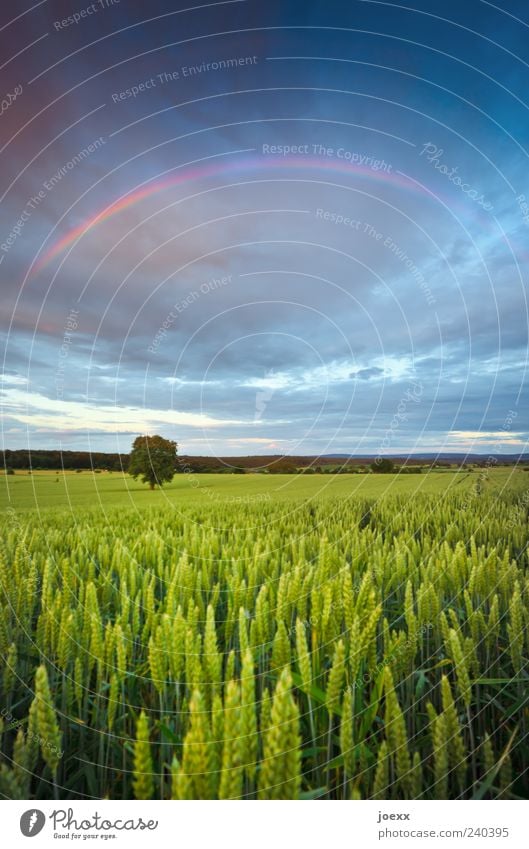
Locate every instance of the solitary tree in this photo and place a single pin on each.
(153, 457)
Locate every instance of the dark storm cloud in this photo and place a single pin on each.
(367, 373)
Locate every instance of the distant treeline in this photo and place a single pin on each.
(42, 459)
(185, 464)
(278, 464)
(86, 460)
(50, 459)
(273, 463)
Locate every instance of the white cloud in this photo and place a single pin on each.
(337, 371)
(499, 439)
(13, 379)
(35, 409)
(179, 382)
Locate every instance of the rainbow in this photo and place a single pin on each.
(153, 187)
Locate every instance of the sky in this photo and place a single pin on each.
(255, 228)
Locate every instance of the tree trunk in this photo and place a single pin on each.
(151, 484)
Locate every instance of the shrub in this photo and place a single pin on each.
(382, 466)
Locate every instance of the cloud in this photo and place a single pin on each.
(368, 373)
(35, 409)
(332, 321)
(500, 440)
(13, 379)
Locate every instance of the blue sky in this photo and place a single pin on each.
(265, 228)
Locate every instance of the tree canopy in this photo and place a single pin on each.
(153, 459)
(382, 465)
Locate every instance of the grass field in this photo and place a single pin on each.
(48, 490)
(265, 637)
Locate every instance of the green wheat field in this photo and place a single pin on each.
(267, 637)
